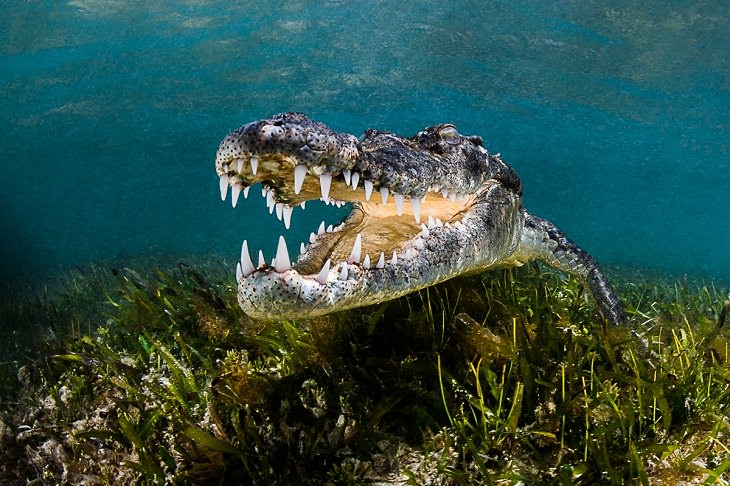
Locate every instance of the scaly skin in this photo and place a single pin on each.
(469, 200)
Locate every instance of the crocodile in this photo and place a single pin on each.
(424, 209)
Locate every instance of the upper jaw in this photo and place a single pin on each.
(298, 159)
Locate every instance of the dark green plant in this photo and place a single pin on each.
(158, 377)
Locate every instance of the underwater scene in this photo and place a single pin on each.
(446, 337)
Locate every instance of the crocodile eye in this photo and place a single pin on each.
(450, 135)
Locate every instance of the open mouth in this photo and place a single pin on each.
(380, 225)
(403, 210)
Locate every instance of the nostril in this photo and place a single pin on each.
(450, 135)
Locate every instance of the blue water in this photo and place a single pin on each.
(615, 115)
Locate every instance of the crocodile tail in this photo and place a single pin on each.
(542, 240)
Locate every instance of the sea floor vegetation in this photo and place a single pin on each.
(156, 376)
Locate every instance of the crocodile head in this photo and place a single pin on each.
(424, 209)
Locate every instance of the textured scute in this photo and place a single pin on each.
(412, 165)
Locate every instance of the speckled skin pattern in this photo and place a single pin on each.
(297, 159)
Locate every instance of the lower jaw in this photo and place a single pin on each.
(272, 294)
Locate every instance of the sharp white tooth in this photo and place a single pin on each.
(394, 260)
(279, 210)
(282, 256)
(312, 237)
(325, 181)
(355, 179)
(381, 261)
(321, 277)
(438, 222)
(264, 190)
(416, 205)
(329, 228)
(366, 262)
(419, 244)
(384, 194)
(239, 273)
(303, 205)
(431, 222)
(452, 196)
(224, 186)
(245, 192)
(301, 248)
(254, 164)
(240, 165)
(262, 261)
(343, 272)
(246, 264)
(270, 203)
(321, 229)
(356, 249)
(299, 172)
(347, 174)
(445, 192)
(424, 231)
(435, 188)
(235, 193)
(368, 189)
(286, 213)
(399, 201)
